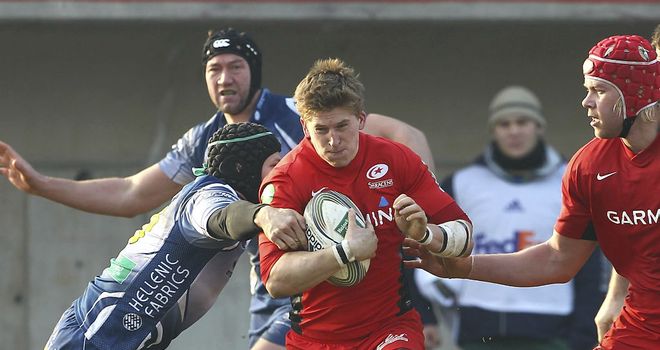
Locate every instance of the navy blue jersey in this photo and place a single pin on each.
(167, 277)
(279, 115)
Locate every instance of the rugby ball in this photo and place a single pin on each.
(326, 215)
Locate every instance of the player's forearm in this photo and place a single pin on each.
(556, 260)
(126, 197)
(235, 221)
(296, 272)
(618, 287)
(102, 196)
(521, 269)
(612, 305)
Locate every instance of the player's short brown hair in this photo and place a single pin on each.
(655, 38)
(329, 84)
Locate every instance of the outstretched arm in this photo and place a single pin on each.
(555, 261)
(396, 130)
(612, 305)
(127, 196)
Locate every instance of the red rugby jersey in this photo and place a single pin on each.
(381, 170)
(615, 194)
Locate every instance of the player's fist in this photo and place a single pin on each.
(362, 241)
(284, 227)
(410, 217)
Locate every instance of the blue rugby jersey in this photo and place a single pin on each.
(279, 115)
(168, 275)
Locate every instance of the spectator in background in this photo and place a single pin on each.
(512, 194)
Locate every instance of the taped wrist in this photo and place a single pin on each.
(342, 252)
(456, 237)
(427, 238)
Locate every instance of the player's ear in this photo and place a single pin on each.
(304, 126)
(362, 119)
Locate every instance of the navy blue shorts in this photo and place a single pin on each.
(270, 326)
(68, 334)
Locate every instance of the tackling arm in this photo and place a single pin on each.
(555, 261)
(235, 221)
(242, 220)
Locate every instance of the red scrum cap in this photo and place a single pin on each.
(630, 64)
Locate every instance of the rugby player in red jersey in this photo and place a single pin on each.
(397, 194)
(610, 197)
(618, 286)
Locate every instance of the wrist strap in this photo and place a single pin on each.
(456, 238)
(427, 238)
(347, 250)
(340, 254)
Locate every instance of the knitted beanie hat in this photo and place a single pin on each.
(515, 101)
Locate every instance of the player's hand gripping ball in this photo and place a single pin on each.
(326, 215)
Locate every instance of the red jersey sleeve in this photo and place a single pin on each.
(269, 254)
(575, 216)
(423, 187)
(279, 192)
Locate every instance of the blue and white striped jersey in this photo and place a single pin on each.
(279, 115)
(168, 275)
